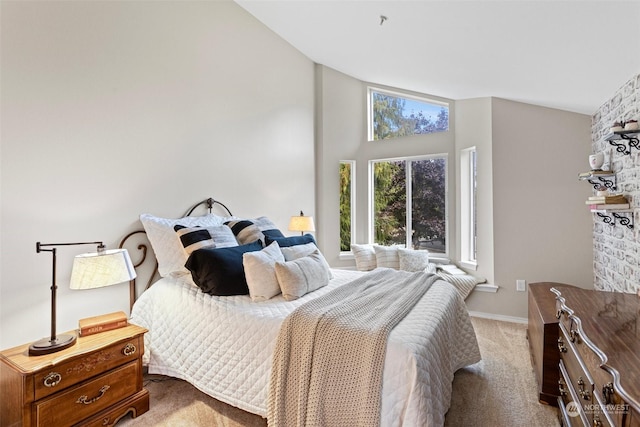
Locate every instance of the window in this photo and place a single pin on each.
(468, 209)
(409, 202)
(393, 115)
(347, 206)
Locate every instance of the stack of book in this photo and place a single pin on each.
(617, 201)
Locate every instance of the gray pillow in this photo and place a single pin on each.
(301, 276)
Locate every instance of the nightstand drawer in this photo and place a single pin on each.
(82, 368)
(77, 403)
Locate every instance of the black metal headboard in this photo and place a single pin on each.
(143, 249)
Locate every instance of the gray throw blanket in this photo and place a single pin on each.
(329, 356)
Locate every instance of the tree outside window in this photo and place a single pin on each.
(393, 116)
(421, 222)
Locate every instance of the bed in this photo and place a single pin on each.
(224, 345)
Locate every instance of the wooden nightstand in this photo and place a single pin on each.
(94, 382)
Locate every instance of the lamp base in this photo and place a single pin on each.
(46, 346)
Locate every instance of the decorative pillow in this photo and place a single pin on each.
(285, 242)
(387, 256)
(298, 251)
(260, 271)
(222, 236)
(219, 271)
(193, 238)
(301, 276)
(247, 230)
(413, 260)
(166, 244)
(365, 257)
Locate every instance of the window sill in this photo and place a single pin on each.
(346, 255)
(469, 265)
(486, 287)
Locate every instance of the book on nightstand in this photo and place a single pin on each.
(102, 323)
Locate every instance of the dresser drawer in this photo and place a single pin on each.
(77, 403)
(571, 414)
(79, 369)
(578, 376)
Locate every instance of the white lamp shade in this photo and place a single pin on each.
(95, 270)
(301, 223)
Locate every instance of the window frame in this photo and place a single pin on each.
(352, 191)
(408, 216)
(468, 208)
(398, 94)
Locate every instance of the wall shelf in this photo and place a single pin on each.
(624, 140)
(599, 179)
(622, 216)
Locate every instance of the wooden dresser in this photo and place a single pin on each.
(95, 382)
(599, 350)
(543, 334)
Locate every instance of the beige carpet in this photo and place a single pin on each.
(498, 391)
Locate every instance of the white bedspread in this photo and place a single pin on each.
(224, 346)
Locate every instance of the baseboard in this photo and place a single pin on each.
(498, 317)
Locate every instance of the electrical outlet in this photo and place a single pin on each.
(521, 285)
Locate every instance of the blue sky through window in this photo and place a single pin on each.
(428, 110)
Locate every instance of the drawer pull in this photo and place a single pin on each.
(583, 393)
(129, 349)
(561, 389)
(561, 346)
(596, 421)
(52, 380)
(607, 393)
(573, 335)
(85, 399)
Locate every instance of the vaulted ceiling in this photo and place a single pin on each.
(571, 55)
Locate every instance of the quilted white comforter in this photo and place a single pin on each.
(224, 346)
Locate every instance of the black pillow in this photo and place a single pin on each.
(285, 242)
(219, 271)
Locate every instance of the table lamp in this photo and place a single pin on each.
(301, 223)
(90, 270)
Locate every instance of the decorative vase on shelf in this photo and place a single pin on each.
(596, 161)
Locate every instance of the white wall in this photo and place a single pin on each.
(111, 109)
(542, 228)
(473, 129)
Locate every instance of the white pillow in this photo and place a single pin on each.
(365, 257)
(259, 269)
(302, 275)
(387, 256)
(166, 243)
(413, 260)
(298, 251)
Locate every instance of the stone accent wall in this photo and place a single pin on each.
(616, 248)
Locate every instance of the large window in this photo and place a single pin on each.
(409, 202)
(468, 209)
(392, 115)
(347, 205)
